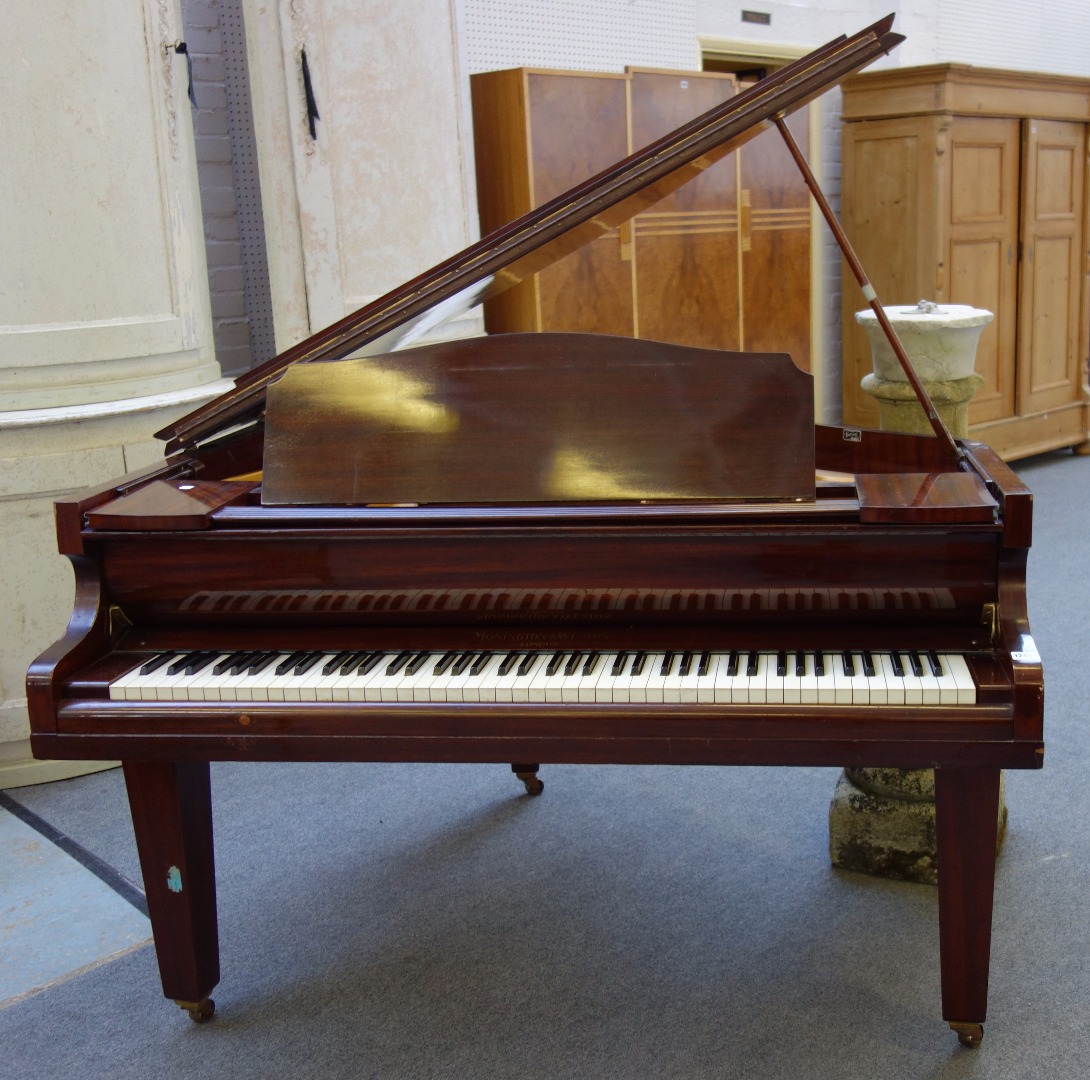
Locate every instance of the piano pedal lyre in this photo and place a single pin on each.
(528, 775)
(200, 1012)
(970, 1035)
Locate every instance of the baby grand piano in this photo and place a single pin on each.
(548, 548)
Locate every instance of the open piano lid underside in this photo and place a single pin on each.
(551, 231)
(530, 418)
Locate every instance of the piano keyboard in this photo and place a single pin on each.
(740, 676)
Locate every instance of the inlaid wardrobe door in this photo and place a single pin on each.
(686, 246)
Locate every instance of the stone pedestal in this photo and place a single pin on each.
(900, 411)
(882, 821)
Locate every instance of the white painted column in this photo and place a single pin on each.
(105, 332)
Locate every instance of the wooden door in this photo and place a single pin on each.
(775, 244)
(1054, 162)
(895, 220)
(576, 128)
(686, 245)
(983, 256)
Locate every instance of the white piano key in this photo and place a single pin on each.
(895, 684)
(705, 684)
(792, 681)
(808, 681)
(913, 682)
(526, 672)
(591, 671)
(774, 681)
(731, 686)
(655, 687)
(757, 678)
(481, 686)
(637, 680)
(841, 686)
(963, 678)
(860, 684)
(621, 689)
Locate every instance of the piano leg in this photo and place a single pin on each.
(966, 810)
(528, 775)
(171, 804)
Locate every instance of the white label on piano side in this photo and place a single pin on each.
(1026, 653)
(852, 434)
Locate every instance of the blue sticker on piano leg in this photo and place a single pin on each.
(174, 879)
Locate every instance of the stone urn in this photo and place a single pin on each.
(941, 342)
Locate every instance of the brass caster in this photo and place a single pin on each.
(534, 785)
(200, 1012)
(970, 1035)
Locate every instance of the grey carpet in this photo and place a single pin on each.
(403, 921)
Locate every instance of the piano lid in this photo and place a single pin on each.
(546, 234)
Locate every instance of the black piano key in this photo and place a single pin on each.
(462, 663)
(898, 667)
(356, 660)
(190, 663)
(751, 664)
(686, 664)
(590, 664)
(417, 662)
(618, 664)
(705, 664)
(480, 662)
(572, 664)
(398, 662)
(288, 662)
(366, 663)
(306, 662)
(819, 664)
(849, 663)
(527, 663)
(335, 662)
(781, 664)
(868, 664)
(508, 662)
(260, 661)
(156, 662)
(667, 663)
(800, 664)
(228, 663)
(934, 663)
(444, 662)
(638, 662)
(732, 663)
(915, 664)
(554, 664)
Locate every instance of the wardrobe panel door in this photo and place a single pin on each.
(1054, 160)
(686, 246)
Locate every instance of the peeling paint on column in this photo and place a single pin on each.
(174, 879)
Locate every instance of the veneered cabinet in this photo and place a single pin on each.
(969, 186)
(722, 262)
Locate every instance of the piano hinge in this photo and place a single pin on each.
(119, 622)
(989, 617)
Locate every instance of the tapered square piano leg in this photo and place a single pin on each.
(966, 813)
(171, 804)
